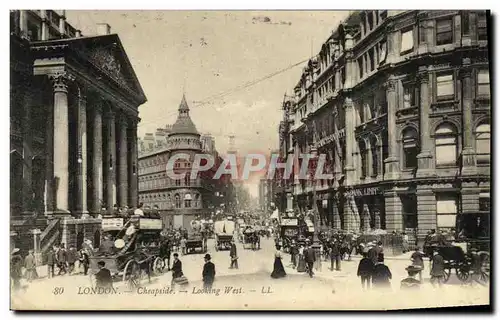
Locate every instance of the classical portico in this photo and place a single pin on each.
(86, 96)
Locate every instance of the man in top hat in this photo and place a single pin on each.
(233, 254)
(411, 282)
(208, 273)
(309, 257)
(103, 278)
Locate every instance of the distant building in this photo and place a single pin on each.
(180, 200)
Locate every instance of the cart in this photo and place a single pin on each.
(224, 231)
(289, 230)
(194, 242)
(131, 250)
(455, 257)
(249, 238)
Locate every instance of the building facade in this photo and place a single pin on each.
(181, 200)
(73, 116)
(399, 101)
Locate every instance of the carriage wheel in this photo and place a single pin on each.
(462, 273)
(158, 266)
(132, 274)
(447, 273)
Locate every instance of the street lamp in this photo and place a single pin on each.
(316, 245)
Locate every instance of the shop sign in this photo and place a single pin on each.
(330, 138)
(363, 192)
(151, 224)
(112, 223)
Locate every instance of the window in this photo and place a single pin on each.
(187, 179)
(483, 83)
(446, 145)
(409, 206)
(360, 67)
(444, 31)
(371, 56)
(483, 136)
(178, 182)
(187, 200)
(177, 199)
(482, 28)
(446, 210)
(422, 32)
(375, 156)
(196, 200)
(484, 201)
(408, 95)
(465, 23)
(33, 32)
(364, 159)
(410, 148)
(406, 40)
(444, 87)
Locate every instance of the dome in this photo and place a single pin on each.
(184, 124)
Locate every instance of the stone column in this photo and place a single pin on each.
(426, 208)
(133, 174)
(468, 153)
(425, 164)
(97, 167)
(111, 161)
(392, 162)
(350, 141)
(27, 154)
(49, 161)
(81, 160)
(45, 26)
(122, 162)
(393, 211)
(61, 141)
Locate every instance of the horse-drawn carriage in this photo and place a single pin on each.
(224, 231)
(197, 238)
(251, 238)
(459, 257)
(131, 248)
(289, 231)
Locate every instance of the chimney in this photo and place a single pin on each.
(103, 29)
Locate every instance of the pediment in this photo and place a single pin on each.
(107, 54)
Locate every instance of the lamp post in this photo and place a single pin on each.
(316, 245)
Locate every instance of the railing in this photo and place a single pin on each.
(49, 235)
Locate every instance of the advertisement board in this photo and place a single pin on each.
(156, 224)
(112, 224)
(289, 222)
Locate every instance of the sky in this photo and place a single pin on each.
(205, 53)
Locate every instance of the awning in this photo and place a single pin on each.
(187, 196)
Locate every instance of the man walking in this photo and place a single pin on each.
(61, 259)
(437, 269)
(234, 256)
(310, 258)
(71, 257)
(208, 273)
(335, 255)
(51, 261)
(103, 276)
(30, 265)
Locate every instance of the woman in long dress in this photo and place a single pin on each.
(279, 270)
(301, 266)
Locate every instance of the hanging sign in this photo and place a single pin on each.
(363, 192)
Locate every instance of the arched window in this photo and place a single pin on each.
(187, 200)
(177, 200)
(446, 145)
(483, 136)
(410, 148)
(187, 179)
(375, 156)
(364, 158)
(196, 203)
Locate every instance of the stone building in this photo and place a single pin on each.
(73, 115)
(399, 101)
(181, 200)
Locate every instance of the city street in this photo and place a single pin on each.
(251, 287)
